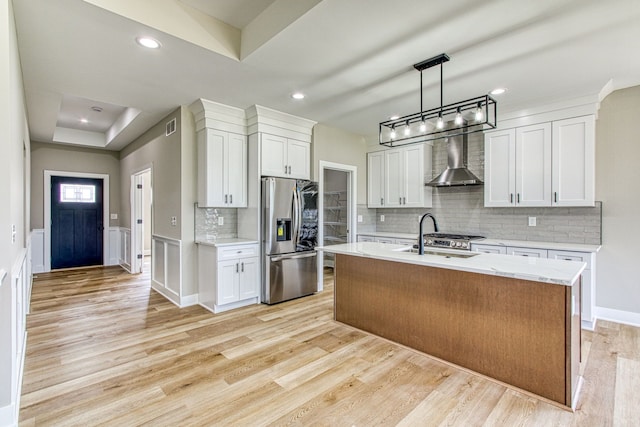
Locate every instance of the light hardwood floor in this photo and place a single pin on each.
(104, 349)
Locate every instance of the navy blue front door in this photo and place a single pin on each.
(76, 222)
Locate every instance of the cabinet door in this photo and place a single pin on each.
(365, 238)
(530, 252)
(236, 166)
(533, 165)
(298, 159)
(228, 282)
(573, 173)
(393, 160)
(488, 249)
(375, 179)
(273, 157)
(211, 168)
(248, 278)
(499, 168)
(413, 176)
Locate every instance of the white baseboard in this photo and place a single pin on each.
(7, 415)
(181, 302)
(618, 316)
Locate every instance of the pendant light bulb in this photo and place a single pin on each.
(392, 135)
(458, 119)
(479, 113)
(423, 126)
(440, 122)
(407, 129)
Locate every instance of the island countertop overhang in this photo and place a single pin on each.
(559, 272)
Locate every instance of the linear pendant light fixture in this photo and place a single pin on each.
(464, 117)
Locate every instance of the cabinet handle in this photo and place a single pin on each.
(285, 169)
(381, 201)
(399, 200)
(289, 169)
(518, 198)
(555, 196)
(231, 198)
(511, 198)
(243, 267)
(236, 267)
(404, 200)
(225, 199)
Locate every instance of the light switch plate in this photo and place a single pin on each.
(532, 221)
(114, 216)
(381, 218)
(220, 220)
(360, 218)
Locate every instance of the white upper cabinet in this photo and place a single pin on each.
(500, 168)
(285, 157)
(222, 154)
(396, 177)
(222, 169)
(376, 178)
(546, 164)
(573, 169)
(533, 165)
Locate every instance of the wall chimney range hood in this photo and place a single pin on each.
(456, 173)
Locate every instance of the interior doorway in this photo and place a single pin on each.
(141, 221)
(338, 211)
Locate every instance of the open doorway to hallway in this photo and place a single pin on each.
(141, 221)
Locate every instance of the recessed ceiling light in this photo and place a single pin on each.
(148, 42)
(498, 91)
(96, 109)
(394, 117)
(297, 95)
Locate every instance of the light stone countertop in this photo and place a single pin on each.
(226, 242)
(526, 268)
(573, 247)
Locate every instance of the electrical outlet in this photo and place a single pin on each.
(532, 221)
(174, 221)
(360, 218)
(381, 218)
(220, 220)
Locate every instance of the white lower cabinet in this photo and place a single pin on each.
(228, 276)
(588, 283)
(390, 239)
(588, 274)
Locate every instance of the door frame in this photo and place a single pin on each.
(47, 212)
(352, 176)
(137, 203)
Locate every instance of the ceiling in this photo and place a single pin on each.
(353, 59)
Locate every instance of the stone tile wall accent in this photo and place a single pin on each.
(207, 227)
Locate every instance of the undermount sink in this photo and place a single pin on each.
(441, 253)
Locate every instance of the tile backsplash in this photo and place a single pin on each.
(207, 227)
(461, 210)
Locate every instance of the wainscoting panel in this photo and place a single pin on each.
(114, 246)
(166, 269)
(124, 241)
(37, 250)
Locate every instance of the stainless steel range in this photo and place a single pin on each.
(450, 241)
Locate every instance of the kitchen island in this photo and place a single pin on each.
(516, 320)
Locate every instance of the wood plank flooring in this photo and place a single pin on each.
(104, 349)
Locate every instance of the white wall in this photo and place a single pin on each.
(617, 181)
(14, 191)
(337, 146)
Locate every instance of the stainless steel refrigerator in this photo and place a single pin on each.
(290, 235)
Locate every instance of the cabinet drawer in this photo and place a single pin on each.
(239, 251)
(362, 238)
(385, 240)
(572, 256)
(406, 241)
(488, 249)
(530, 252)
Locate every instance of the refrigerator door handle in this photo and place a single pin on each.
(306, 255)
(296, 216)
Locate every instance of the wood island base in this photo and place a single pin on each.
(519, 332)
